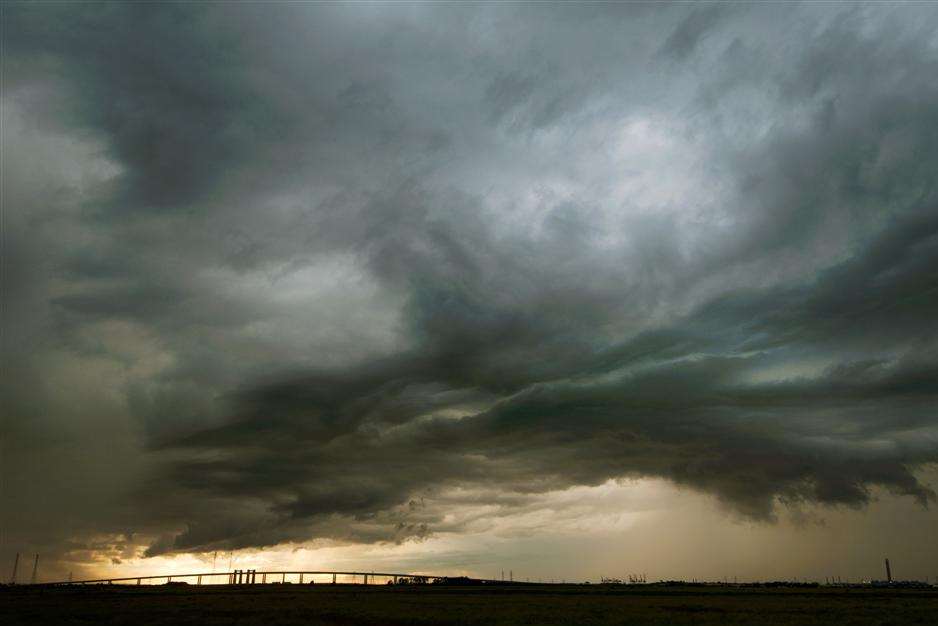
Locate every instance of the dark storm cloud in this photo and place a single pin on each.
(675, 404)
(338, 261)
(691, 29)
(152, 80)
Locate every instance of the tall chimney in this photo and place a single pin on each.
(888, 572)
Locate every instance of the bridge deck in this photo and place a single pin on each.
(261, 577)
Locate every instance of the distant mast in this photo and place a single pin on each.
(888, 572)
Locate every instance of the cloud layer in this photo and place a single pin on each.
(293, 272)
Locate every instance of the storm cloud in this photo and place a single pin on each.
(275, 273)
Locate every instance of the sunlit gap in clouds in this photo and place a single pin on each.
(472, 526)
(613, 529)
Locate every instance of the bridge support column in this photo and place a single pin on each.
(283, 578)
(333, 579)
(264, 578)
(301, 578)
(199, 580)
(138, 581)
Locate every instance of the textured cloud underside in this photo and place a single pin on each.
(331, 271)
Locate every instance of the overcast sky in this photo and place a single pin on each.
(575, 290)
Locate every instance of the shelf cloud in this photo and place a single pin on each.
(293, 272)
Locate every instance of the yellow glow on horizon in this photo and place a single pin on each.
(648, 525)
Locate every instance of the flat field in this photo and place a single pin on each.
(344, 605)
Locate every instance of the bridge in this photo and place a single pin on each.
(253, 577)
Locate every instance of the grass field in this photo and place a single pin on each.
(350, 604)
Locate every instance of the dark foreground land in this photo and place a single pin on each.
(317, 605)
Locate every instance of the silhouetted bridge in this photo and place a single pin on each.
(253, 577)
